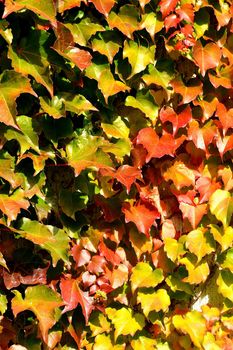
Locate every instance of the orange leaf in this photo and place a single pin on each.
(103, 6)
(206, 57)
(194, 213)
(167, 6)
(178, 120)
(143, 215)
(188, 92)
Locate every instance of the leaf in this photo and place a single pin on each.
(188, 92)
(202, 137)
(143, 215)
(118, 129)
(46, 10)
(225, 284)
(178, 120)
(173, 248)
(98, 323)
(107, 45)
(109, 86)
(31, 57)
(144, 276)
(73, 296)
(201, 23)
(76, 103)
(141, 342)
(193, 212)
(167, 6)
(83, 30)
(143, 3)
(206, 57)
(54, 240)
(64, 46)
(225, 117)
(103, 6)
(104, 342)
(179, 173)
(200, 242)
(85, 152)
(154, 301)
(155, 76)
(3, 304)
(43, 302)
(126, 21)
(151, 23)
(197, 273)
(193, 324)
(224, 236)
(228, 260)
(125, 321)
(7, 172)
(221, 205)
(156, 146)
(54, 107)
(64, 5)
(146, 103)
(13, 84)
(138, 56)
(12, 205)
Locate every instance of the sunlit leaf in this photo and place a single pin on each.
(106, 45)
(221, 205)
(125, 321)
(224, 236)
(225, 284)
(200, 242)
(144, 276)
(153, 301)
(151, 23)
(188, 92)
(83, 30)
(197, 273)
(126, 20)
(12, 205)
(206, 57)
(43, 302)
(103, 6)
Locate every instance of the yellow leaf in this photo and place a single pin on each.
(144, 276)
(154, 301)
(200, 243)
(221, 205)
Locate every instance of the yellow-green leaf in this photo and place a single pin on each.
(144, 276)
(221, 205)
(118, 129)
(173, 248)
(142, 342)
(193, 324)
(200, 242)
(125, 321)
(154, 301)
(138, 56)
(225, 284)
(146, 103)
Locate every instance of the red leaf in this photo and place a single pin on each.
(202, 137)
(109, 254)
(171, 21)
(158, 147)
(208, 107)
(206, 57)
(225, 117)
(73, 296)
(88, 279)
(206, 187)
(143, 215)
(103, 6)
(178, 120)
(167, 6)
(224, 144)
(188, 92)
(12, 280)
(81, 256)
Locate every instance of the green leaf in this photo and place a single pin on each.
(146, 103)
(118, 129)
(221, 205)
(125, 321)
(5, 31)
(126, 21)
(85, 152)
(54, 107)
(51, 238)
(228, 260)
(225, 284)
(144, 276)
(43, 302)
(12, 84)
(84, 30)
(153, 300)
(70, 202)
(138, 56)
(3, 304)
(193, 324)
(32, 58)
(201, 24)
(76, 103)
(44, 9)
(200, 242)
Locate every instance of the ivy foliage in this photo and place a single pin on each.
(116, 178)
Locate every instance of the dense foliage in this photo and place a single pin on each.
(116, 174)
